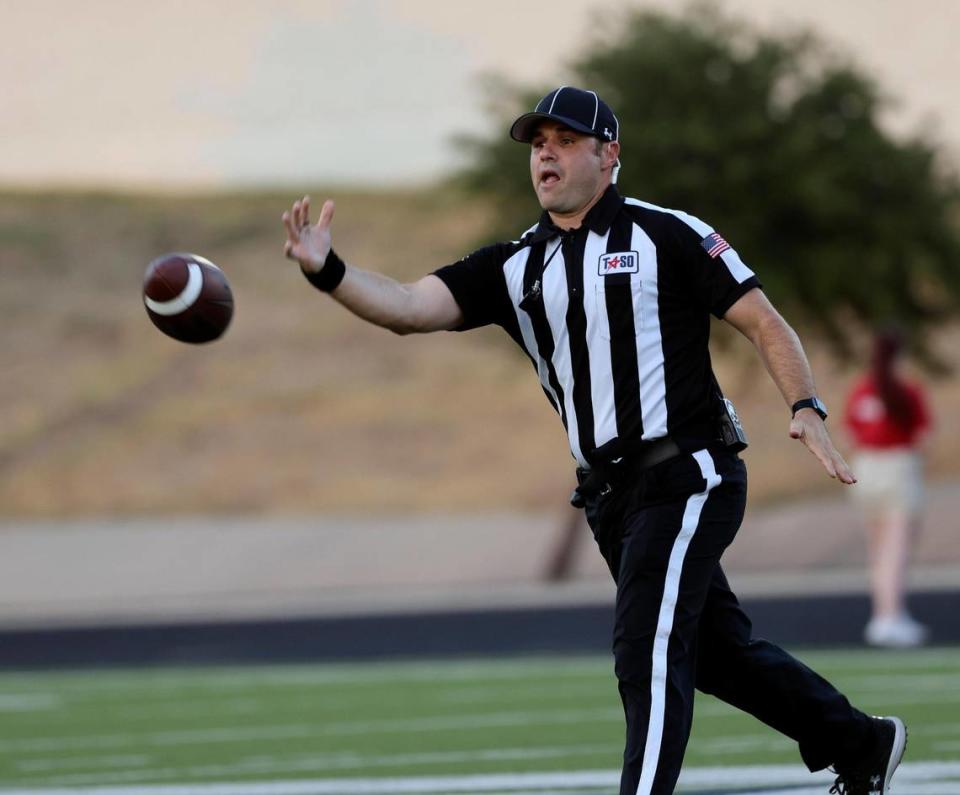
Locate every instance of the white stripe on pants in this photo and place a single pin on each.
(658, 679)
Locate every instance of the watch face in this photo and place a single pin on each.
(820, 408)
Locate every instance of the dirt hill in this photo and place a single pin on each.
(299, 408)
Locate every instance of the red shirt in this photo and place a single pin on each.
(871, 426)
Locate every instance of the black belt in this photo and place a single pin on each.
(605, 476)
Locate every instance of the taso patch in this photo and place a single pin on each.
(619, 262)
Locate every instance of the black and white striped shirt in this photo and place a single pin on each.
(614, 316)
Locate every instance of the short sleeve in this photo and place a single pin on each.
(715, 271)
(479, 287)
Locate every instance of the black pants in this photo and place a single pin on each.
(678, 625)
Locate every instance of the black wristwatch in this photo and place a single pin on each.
(810, 403)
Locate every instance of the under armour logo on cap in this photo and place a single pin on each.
(579, 109)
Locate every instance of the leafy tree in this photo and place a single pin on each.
(776, 142)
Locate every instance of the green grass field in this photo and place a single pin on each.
(394, 721)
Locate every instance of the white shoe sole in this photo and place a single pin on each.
(896, 753)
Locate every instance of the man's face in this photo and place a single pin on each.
(567, 168)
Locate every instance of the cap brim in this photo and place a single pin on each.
(524, 128)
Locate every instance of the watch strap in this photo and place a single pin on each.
(810, 403)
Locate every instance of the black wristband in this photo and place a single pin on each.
(330, 275)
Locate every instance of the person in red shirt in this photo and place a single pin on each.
(888, 419)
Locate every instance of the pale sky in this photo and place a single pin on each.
(226, 92)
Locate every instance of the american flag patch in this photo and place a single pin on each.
(714, 245)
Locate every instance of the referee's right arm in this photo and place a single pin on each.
(420, 307)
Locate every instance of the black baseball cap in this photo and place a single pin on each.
(577, 108)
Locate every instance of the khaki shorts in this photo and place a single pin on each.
(888, 480)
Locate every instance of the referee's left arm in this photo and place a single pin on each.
(423, 306)
(779, 346)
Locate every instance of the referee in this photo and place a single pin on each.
(611, 297)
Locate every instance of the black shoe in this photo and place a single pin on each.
(872, 775)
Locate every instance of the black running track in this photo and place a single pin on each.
(828, 621)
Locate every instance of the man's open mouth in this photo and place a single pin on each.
(549, 177)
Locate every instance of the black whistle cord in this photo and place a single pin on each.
(534, 294)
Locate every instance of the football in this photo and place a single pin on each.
(187, 297)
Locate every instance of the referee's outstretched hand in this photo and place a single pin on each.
(308, 245)
(807, 426)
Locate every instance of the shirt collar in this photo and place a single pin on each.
(598, 219)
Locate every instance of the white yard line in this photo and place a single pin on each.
(99, 763)
(914, 681)
(864, 659)
(890, 700)
(593, 688)
(231, 734)
(29, 702)
(924, 778)
(319, 675)
(330, 763)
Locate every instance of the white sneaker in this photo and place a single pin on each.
(895, 632)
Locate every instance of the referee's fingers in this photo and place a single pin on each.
(305, 212)
(293, 233)
(844, 473)
(326, 214)
(814, 435)
(832, 461)
(827, 461)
